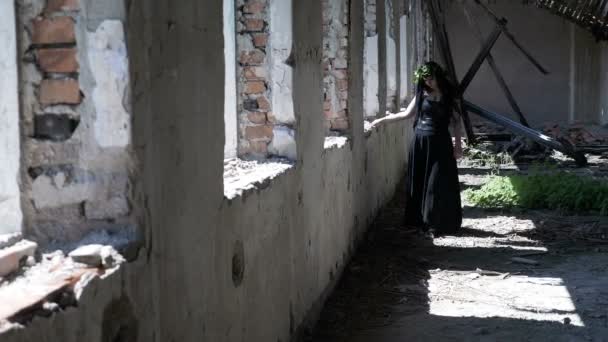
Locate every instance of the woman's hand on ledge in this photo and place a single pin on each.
(378, 122)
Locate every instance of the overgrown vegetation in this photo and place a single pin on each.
(561, 191)
(484, 157)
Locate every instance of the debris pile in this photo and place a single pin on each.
(578, 134)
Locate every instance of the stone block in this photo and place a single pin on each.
(59, 92)
(58, 60)
(54, 127)
(10, 257)
(96, 255)
(58, 30)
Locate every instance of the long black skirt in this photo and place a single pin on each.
(433, 191)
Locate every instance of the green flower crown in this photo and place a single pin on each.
(422, 73)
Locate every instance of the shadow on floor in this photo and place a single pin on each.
(384, 293)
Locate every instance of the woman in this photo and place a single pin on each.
(433, 192)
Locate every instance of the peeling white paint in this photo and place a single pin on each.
(230, 122)
(10, 208)
(371, 77)
(109, 64)
(54, 192)
(281, 74)
(283, 143)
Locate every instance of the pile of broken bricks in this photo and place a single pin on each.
(35, 284)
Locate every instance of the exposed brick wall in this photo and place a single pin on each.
(370, 18)
(253, 83)
(335, 64)
(75, 163)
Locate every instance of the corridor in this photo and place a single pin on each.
(401, 287)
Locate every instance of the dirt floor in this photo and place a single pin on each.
(401, 287)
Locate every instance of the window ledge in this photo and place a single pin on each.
(335, 142)
(242, 176)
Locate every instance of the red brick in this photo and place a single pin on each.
(254, 7)
(255, 87)
(62, 5)
(255, 57)
(59, 92)
(258, 147)
(53, 31)
(254, 24)
(260, 39)
(254, 73)
(58, 60)
(339, 74)
(339, 124)
(257, 117)
(258, 132)
(263, 103)
(342, 84)
(271, 118)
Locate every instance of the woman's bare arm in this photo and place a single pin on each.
(409, 112)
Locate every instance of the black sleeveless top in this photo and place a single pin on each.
(433, 117)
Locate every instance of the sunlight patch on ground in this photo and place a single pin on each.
(454, 294)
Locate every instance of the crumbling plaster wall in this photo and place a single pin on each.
(10, 206)
(392, 39)
(371, 67)
(335, 65)
(293, 237)
(566, 94)
(75, 118)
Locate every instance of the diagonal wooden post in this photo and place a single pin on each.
(501, 81)
(483, 54)
(444, 46)
(512, 38)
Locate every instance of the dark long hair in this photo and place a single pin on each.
(447, 89)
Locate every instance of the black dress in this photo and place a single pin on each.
(433, 191)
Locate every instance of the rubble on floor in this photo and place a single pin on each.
(497, 146)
